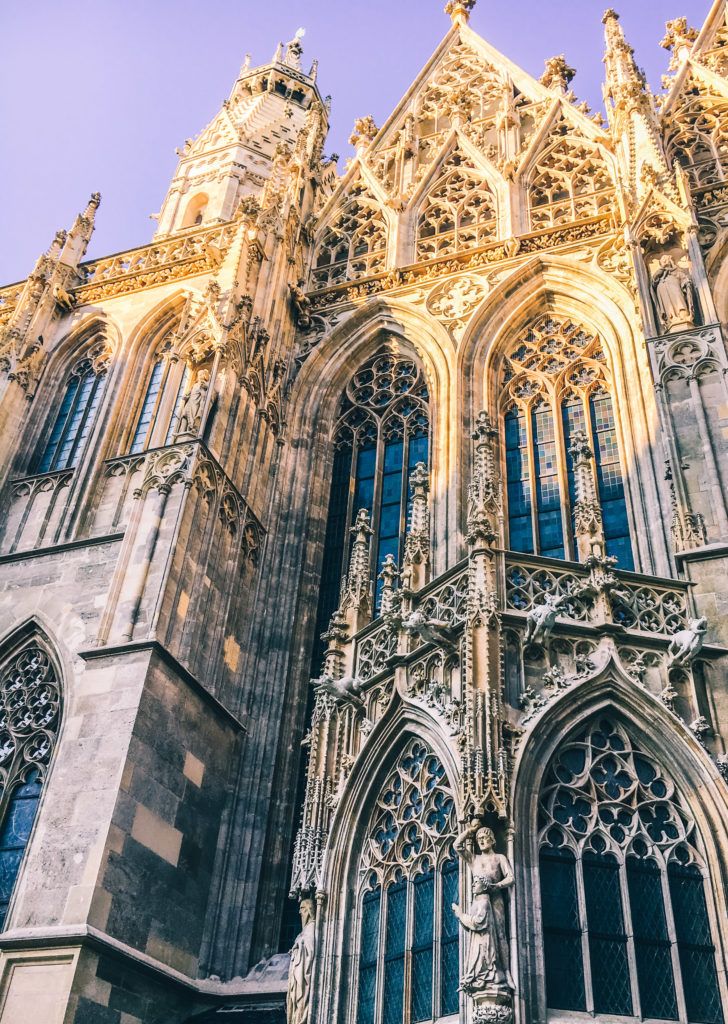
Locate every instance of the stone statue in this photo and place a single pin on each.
(434, 631)
(487, 968)
(301, 305)
(344, 690)
(542, 618)
(672, 290)
(686, 645)
(299, 975)
(190, 412)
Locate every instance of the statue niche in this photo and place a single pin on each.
(193, 404)
(673, 296)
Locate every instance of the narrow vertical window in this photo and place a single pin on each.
(518, 482)
(390, 517)
(651, 941)
(423, 891)
(694, 943)
(181, 391)
(561, 930)
(449, 939)
(369, 955)
(75, 417)
(548, 495)
(609, 480)
(149, 405)
(14, 835)
(394, 947)
(607, 937)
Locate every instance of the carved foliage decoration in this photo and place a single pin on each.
(355, 242)
(30, 704)
(413, 817)
(569, 180)
(459, 211)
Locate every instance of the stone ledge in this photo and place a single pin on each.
(55, 549)
(165, 656)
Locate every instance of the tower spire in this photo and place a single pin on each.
(459, 10)
(624, 80)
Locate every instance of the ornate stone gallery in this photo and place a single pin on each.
(364, 564)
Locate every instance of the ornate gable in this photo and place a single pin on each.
(696, 128)
(458, 211)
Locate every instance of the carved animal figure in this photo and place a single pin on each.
(542, 618)
(687, 644)
(430, 630)
(345, 689)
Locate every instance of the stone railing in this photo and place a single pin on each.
(35, 516)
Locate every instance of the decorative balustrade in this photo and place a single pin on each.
(375, 646)
(446, 599)
(37, 505)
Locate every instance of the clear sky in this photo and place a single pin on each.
(96, 94)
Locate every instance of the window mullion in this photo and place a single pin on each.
(383, 913)
(156, 423)
(570, 547)
(588, 988)
(377, 503)
(674, 949)
(66, 423)
(409, 941)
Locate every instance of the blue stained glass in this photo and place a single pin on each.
(562, 931)
(548, 492)
(695, 947)
(73, 423)
(449, 941)
(335, 544)
(607, 938)
(14, 835)
(424, 909)
(145, 416)
(518, 483)
(371, 907)
(609, 480)
(394, 946)
(390, 515)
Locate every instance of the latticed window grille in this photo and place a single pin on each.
(569, 181)
(699, 135)
(30, 706)
(459, 211)
(407, 944)
(626, 929)
(381, 434)
(556, 382)
(355, 243)
(76, 414)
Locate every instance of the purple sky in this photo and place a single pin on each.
(97, 95)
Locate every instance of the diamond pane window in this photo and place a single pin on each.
(613, 826)
(555, 382)
(407, 857)
(76, 415)
(30, 699)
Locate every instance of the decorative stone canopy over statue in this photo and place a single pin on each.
(190, 414)
(673, 294)
(487, 970)
(299, 977)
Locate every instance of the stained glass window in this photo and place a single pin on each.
(614, 827)
(408, 859)
(75, 417)
(381, 434)
(556, 382)
(30, 699)
(146, 415)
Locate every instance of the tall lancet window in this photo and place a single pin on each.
(407, 952)
(381, 434)
(158, 414)
(555, 383)
(626, 929)
(76, 413)
(30, 699)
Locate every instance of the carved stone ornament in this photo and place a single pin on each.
(190, 413)
(687, 643)
(298, 997)
(542, 618)
(454, 301)
(672, 291)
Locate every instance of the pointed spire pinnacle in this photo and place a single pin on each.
(623, 75)
(459, 10)
(679, 38)
(557, 73)
(80, 234)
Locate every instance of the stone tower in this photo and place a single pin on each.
(363, 551)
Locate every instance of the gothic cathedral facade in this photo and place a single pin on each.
(364, 556)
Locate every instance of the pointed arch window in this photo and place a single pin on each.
(381, 434)
(626, 929)
(76, 414)
(156, 423)
(407, 967)
(555, 382)
(31, 706)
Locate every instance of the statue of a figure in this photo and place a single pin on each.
(673, 293)
(686, 644)
(301, 305)
(541, 619)
(487, 968)
(190, 412)
(299, 975)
